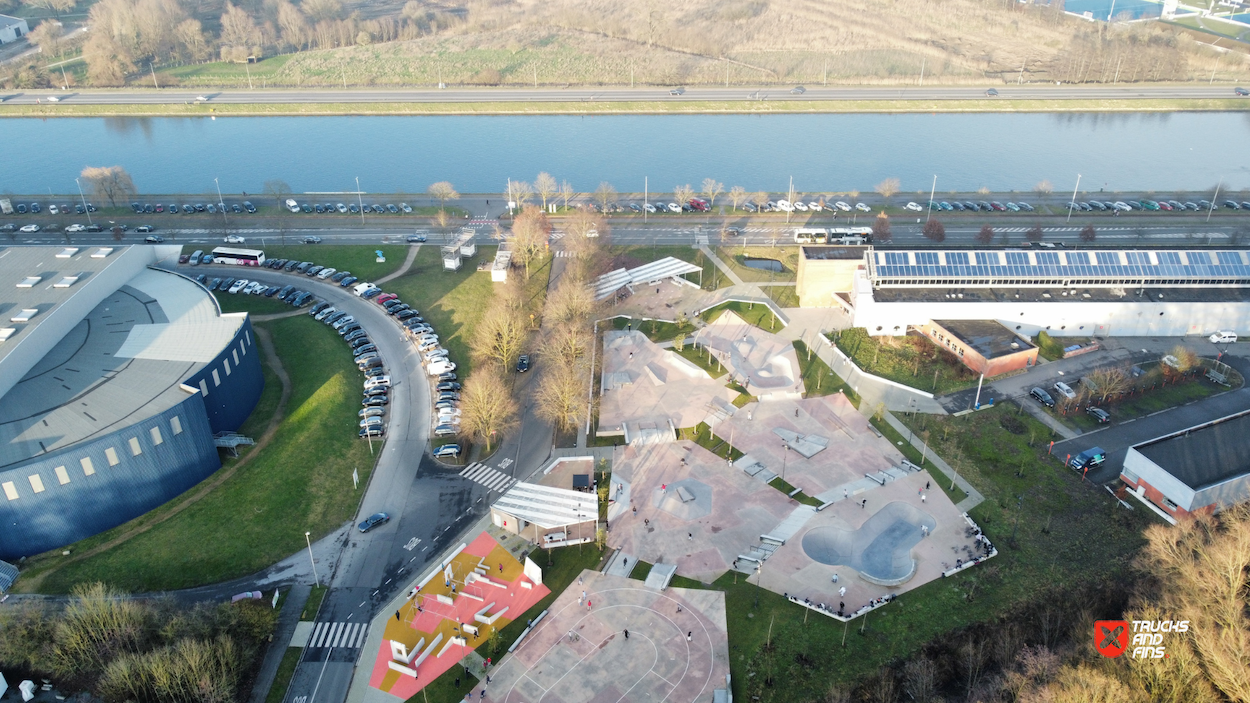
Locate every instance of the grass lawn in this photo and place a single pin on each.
(453, 302)
(911, 360)
(290, 660)
(641, 570)
(301, 481)
(359, 259)
(785, 487)
(783, 296)
(1068, 534)
(655, 330)
(697, 356)
(313, 604)
(735, 257)
(818, 379)
(255, 304)
(568, 562)
(702, 436)
(916, 456)
(759, 315)
(1151, 395)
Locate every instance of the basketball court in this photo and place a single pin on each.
(677, 649)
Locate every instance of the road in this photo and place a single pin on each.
(648, 94)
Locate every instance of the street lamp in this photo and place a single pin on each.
(759, 578)
(1072, 203)
(220, 201)
(84, 201)
(360, 202)
(308, 540)
(784, 455)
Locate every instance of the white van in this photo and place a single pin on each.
(1223, 337)
(440, 367)
(360, 288)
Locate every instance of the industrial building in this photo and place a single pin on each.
(116, 377)
(1205, 467)
(12, 29)
(1102, 292)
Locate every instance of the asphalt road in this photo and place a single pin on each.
(647, 94)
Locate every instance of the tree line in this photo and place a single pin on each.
(122, 649)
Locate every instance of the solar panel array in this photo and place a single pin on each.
(1130, 267)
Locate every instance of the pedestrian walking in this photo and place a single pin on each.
(483, 696)
(580, 581)
(926, 485)
(845, 494)
(842, 592)
(583, 595)
(689, 635)
(864, 504)
(922, 497)
(501, 567)
(589, 605)
(624, 561)
(796, 411)
(690, 536)
(635, 509)
(646, 521)
(835, 578)
(627, 634)
(488, 679)
(679, 608)
(396, 614)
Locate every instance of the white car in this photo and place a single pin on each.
(29, 228)
(915, 207)
(862, 207)
(235, 239)
(674, 207)
(649, 208)
(53, 99)
(326, 273)
(292, 205)
(1064, 390)
(53, 210)
(76, 228)
(801, 207)
(815, 206)
(238, 285)
(378, 382)
(785, 206)
(1224, 337)
(372, 421)
(844, 207)
(440, 367)
(434, 355)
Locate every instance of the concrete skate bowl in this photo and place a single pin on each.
(775, 371)
(880, 550)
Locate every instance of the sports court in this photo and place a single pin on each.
(677, 650)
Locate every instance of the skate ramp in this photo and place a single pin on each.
(880, 549)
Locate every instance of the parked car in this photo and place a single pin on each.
(1088, 459)
(1064, 390)
(1042, 397)
(447, 451)
(523, 363)
(914, 207)
(1100, 415)
(415, 238)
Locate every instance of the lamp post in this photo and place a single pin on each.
(359, 201)
(84, 202)
(220, 201)
(1072, 202)
(759, 578)
(308, 540)
(785, 454)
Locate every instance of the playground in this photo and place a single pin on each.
(608, 638)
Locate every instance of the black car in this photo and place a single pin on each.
(201, 279)
(375, 402)
(318, 308)
(416, 238)
(286, 290)
(523, 363)
(374, 520)
(348, 328)
(247, 205)
(225, 285)
(1241, 92)
(406, 315)
(1098, 414)
(339, 276)
(448, 395)
(448, 386)
(360, 341)
(214, 284)
(355, 334)
(136, 207)
(365, 349)
(1042, 397)
(449, 376)
(375, 371)
(94, 228)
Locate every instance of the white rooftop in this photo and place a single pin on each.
(548, 507)
(668, 267)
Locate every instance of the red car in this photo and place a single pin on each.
(700, 205)
(385, 297)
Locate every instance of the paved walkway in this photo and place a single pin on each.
(288, 618)
(412, 256)
(729, 273)
(974, 496)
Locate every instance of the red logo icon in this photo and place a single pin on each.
(1110, 637)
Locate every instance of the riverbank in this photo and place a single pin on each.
(591, 107)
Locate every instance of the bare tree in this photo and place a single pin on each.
(561, 398)
(605, 194)
(521, 192)
(487, 407)
(737, 196)
(280, 191)
(56, 6)
(567, 193)
(1088, 234)
(499, 336)
(920, 675)
(530, 235)
(1043, 189)
(1034, 233)
(570, 302)
(760, 199)
(1107, 381)
(986, 235)
(546, 187)
(322, 10)
(47, 36)
(934, 231)
(683, 194)
(109, 182)
(888, 188)
(881, 229)
(711, 188)
(443, 191)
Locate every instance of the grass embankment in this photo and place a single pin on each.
(911, 360)
(567, 564)
(702, 435)
(286, 670)
(453, 302)
(69, 109)
(1068, 534)
(818, 379)
(757, 314)
(655, 330)
(735, 258)
(1151, 392)
(300, 481)
(699, 356)
(360, 259)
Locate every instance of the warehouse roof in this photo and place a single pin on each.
(989, 338)
(1206, 454)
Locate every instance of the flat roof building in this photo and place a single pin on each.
(1205, 467)
(114, 379)
(985, 346)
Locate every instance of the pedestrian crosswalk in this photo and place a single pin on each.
(493, 479)
(338, 635)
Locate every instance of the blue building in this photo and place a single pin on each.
(115, 375)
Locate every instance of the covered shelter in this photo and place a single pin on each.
(547, 516)
(648, 274)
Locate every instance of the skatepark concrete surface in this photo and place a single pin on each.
(648, 387)
(677, 649)
(853, 448)
(882, 538)
(722, 513)
(764, 363)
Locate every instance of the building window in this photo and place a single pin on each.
(247, 334)
(236, 357)
(36, 483)
(62, 476)
(111, 455)
(175, 423)
(225, 363)
(216, 379)
(204, 387)
(1129, 476)
(10, 490)
(155, 432)
(87, 467)
(1170, 504)
(135, 449)
(242, 348)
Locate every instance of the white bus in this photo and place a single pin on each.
(238, 257)
(850, 235)
(811, 235)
